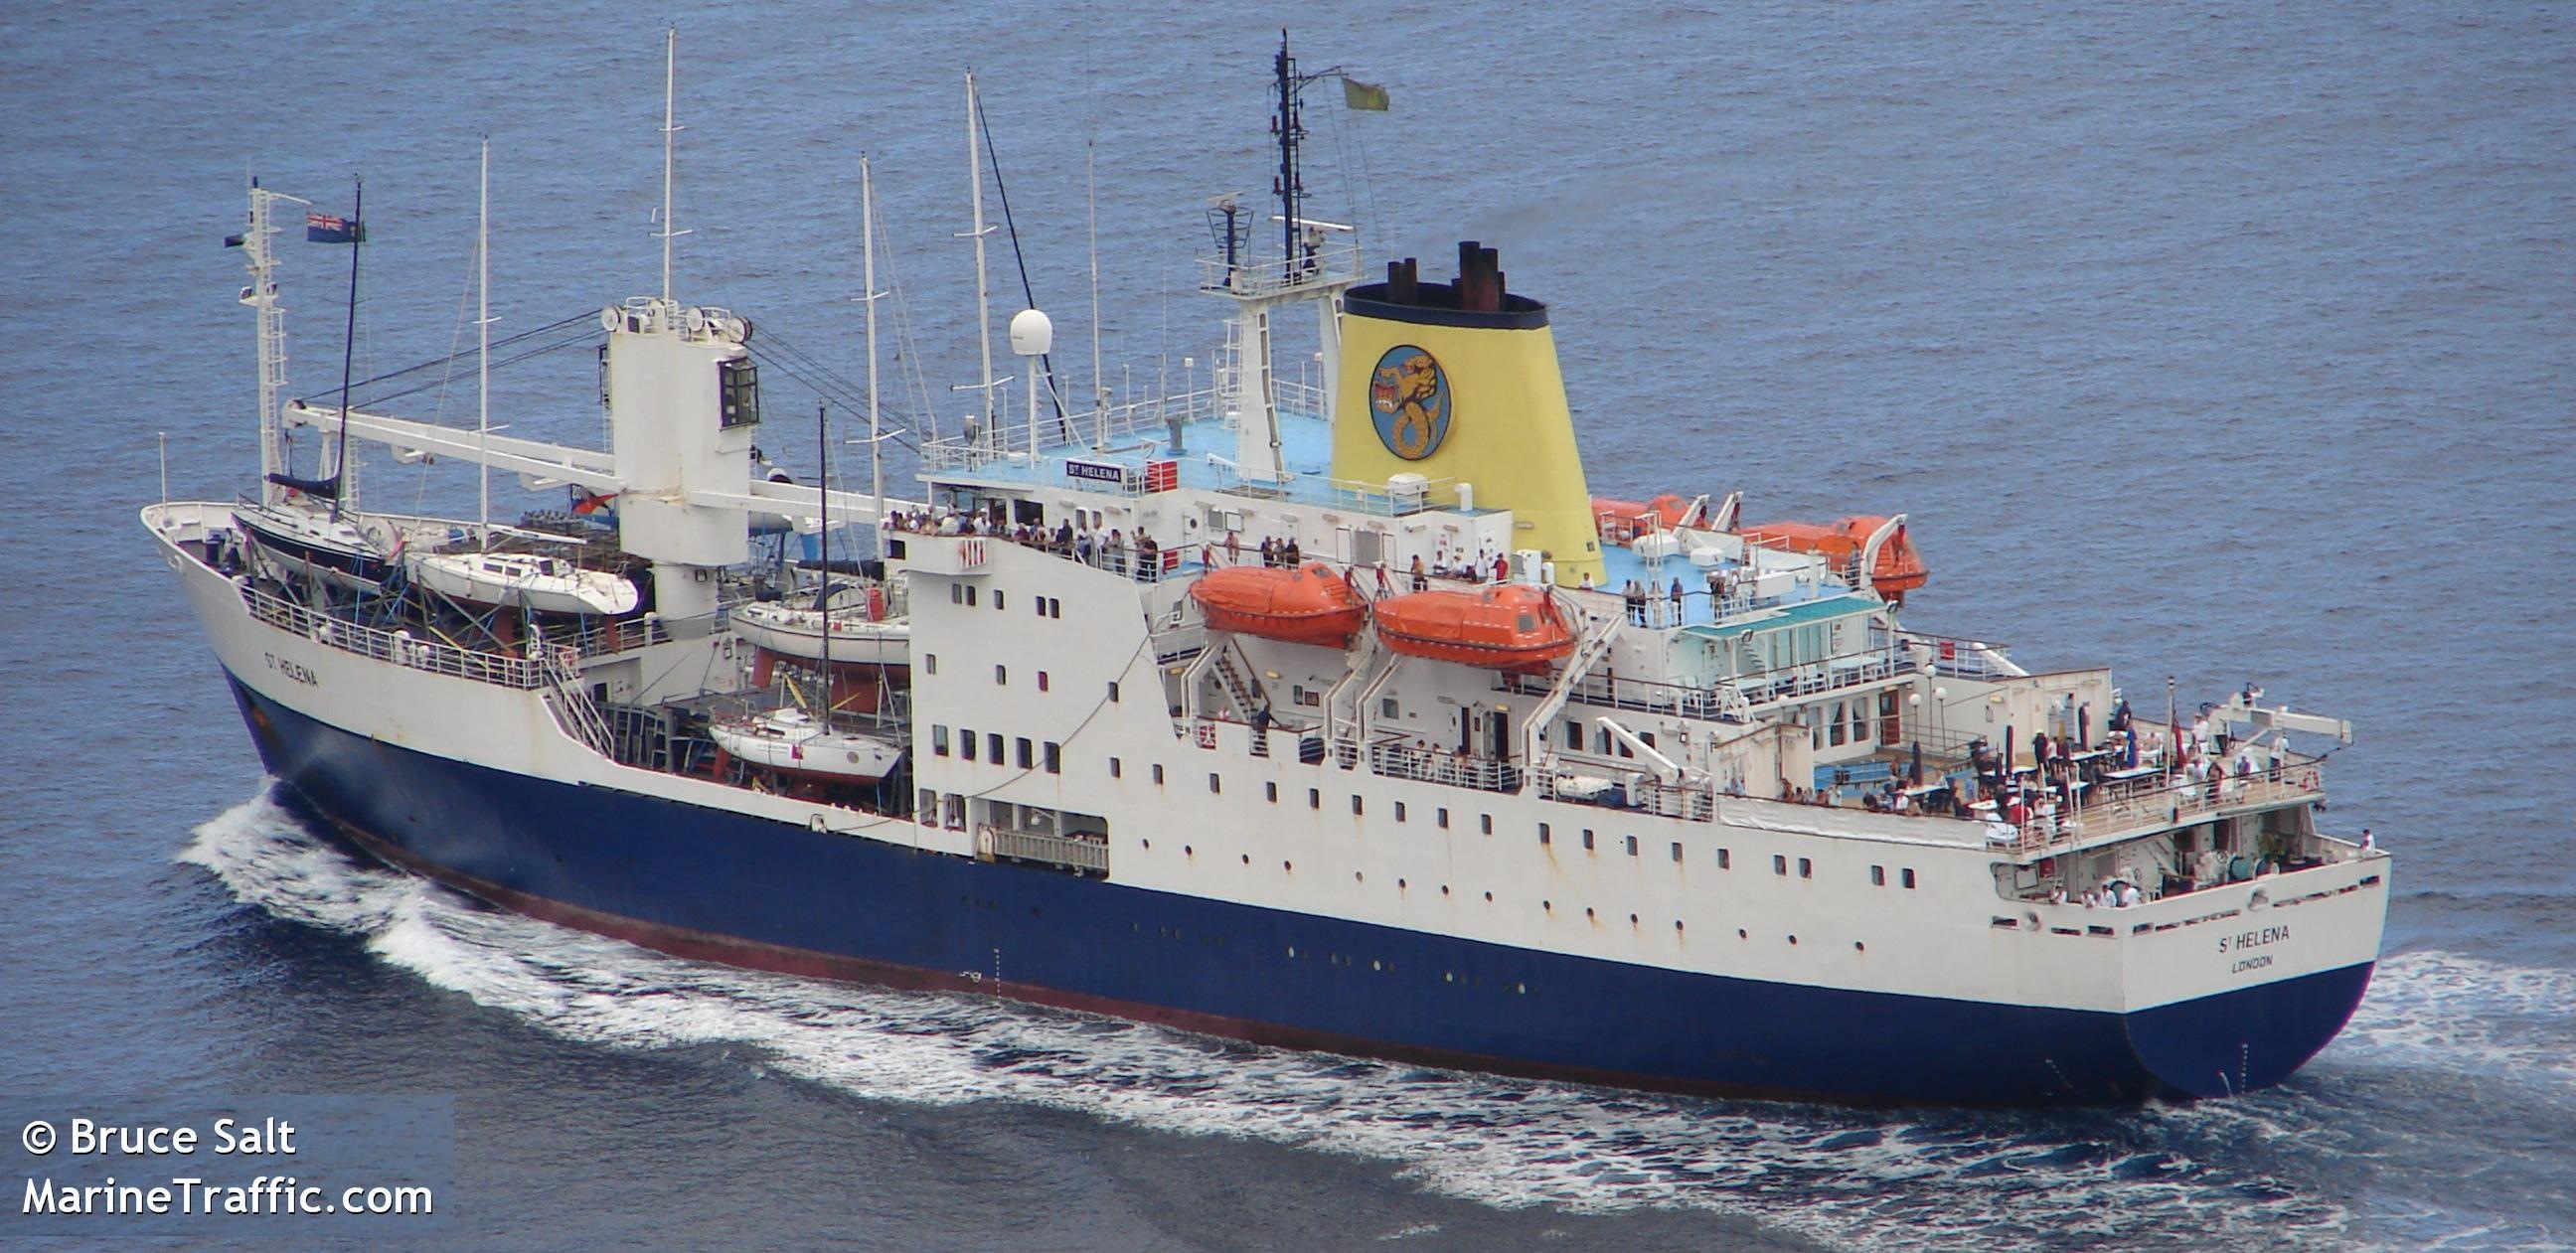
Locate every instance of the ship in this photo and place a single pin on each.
(1328, 714)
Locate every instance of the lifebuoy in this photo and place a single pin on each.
(2048, 865)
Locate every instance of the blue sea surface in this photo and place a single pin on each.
(2228, 343)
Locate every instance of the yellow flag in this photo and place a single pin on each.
(1359, 95)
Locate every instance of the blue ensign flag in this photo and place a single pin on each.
(322, 228)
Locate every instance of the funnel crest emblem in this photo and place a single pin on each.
(1409, 402)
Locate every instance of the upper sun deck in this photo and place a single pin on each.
(1183, 441)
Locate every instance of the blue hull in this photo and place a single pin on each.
(752, 892)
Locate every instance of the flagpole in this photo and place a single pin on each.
(483, 342)
(348, 345)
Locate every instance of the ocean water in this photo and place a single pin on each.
(2219, 344)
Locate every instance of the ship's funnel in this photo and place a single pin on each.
(1459, 381)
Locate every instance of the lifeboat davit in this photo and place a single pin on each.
(1899, 568)
(1312, 604)
(1508, 627)
(1620, 521)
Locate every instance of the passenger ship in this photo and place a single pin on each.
(1447, 789)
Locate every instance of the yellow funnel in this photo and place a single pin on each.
(1460, 382)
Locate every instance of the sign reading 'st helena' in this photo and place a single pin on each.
(1409, 400)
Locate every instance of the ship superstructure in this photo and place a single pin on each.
(1334, 714)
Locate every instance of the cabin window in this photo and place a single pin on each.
(1443, 816)
(1725, 860)
(1859, 723)
(970, 595)
(1574, 735)
(938, 741)
(1028, 753)
(1314, 798)
(1113, 692)
(1216, 784)
(1906, 877)
(1116, 771)
(1806, 868)
(738, 392)
(1270, 792)
(993, 746)
(1355, 804)
(930, 663)
(1386, 707)
(1485, 823)
(1042, 680)
(1587, 839)
(997, 600)
(1835, 720)
(1542, 833)
(956, 593)
(966, 742)
(1054, 757)
(1001, 676)
(1158, 774)
(1878, 876)
(1632, 846)
(929, 807)
(1780, 865)
(1677, 852)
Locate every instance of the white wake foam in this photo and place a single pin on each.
(2140, 1180)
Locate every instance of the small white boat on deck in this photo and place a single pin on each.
(545, 584)
(327, 546)
(790, 741)
(856, 639)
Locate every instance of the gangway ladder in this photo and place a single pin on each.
(1586, 655)
(574, 710)
(1248, 700)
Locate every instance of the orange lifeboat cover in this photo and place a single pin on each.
(1899, 570)
(1312, 604)
(1508, 627)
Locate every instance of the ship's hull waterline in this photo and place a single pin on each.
(789, 899)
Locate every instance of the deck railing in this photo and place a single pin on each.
(1070, 852)
(2158, 801)
(1401, 761)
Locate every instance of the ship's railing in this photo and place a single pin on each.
(1642, 695)
(611, 636)
(1150, 418)
(2124, 807)
(1954, 657)
(1337, 260)
(399, 647)
(1375, 499)
(1402, 761)
(1810, 679)
(1072, 852)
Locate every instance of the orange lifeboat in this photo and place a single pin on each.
(1899, 569)
(1312, 604)
(1507, 627)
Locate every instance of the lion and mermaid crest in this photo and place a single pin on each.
(1409, 400)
